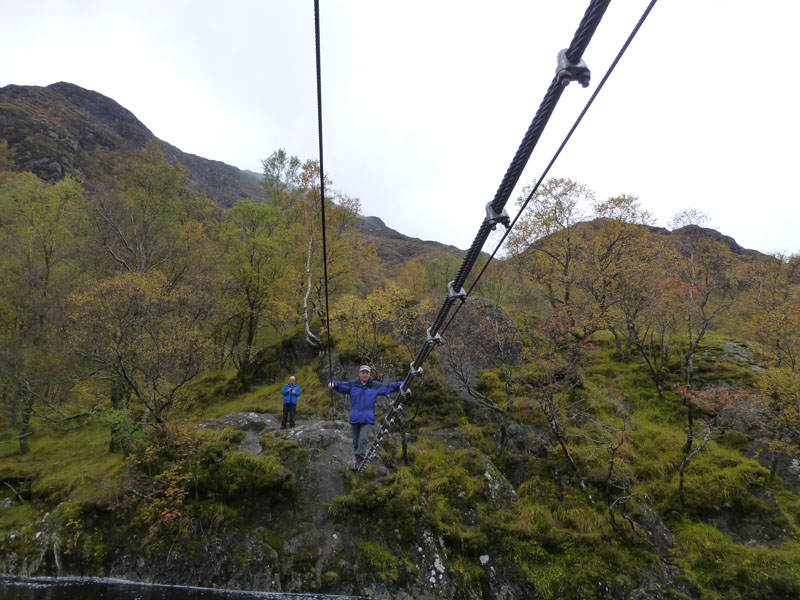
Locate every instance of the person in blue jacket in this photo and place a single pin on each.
(291, 392)
(363, 394)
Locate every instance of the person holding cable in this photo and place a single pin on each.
(363, 394)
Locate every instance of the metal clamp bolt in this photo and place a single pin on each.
(493, 217)
(568, 71)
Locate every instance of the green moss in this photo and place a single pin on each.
(492, 384)
(288, 452)
(716, 476)
(467, 573)
(16, 517)
(735, 440)
(239, 472)
(378, 559)
(76, 464)
(790, 505)
(330, 579)
(723, 569)
(481, 438)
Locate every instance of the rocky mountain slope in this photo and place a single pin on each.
(63, 128)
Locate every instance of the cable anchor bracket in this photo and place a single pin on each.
(568, 71)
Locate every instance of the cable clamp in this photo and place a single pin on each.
(451, 293)
(493, 217)
(414, 370)
(568, 71)
(432, 339)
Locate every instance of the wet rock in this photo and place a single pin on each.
(249, 421)
(656, 531)
(663, 582)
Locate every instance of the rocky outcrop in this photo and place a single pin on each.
(394, 248)
(685, 235)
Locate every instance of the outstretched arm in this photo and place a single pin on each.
(339, 386)
(388, 388)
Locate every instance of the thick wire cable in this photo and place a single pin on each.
(586, 29)
(556, 155)
(322, 188)
(588, 25)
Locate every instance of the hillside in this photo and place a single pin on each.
(614, 414)
(63, 128)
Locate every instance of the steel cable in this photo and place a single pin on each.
(588, 25)
(557, 154)
(322, 188)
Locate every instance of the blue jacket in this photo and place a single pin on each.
(288, 397)
(363, 397)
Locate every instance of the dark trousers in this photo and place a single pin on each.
(288, 411)
(360, 433)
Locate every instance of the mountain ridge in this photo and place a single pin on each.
(64, 128)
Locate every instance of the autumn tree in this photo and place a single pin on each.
(578, 263)
(686, 217)
(482, 338)
(40, 225)
(775, 289)
(257, 274)
(146, 218)
(608, 431)
(349, 260)
(707, 287)
(147, 226)
(551, 383)
(648, 307)
(281, 176)
(411, 277)
(775, 323)
(611, 246)
(372, 326)
(146, 331)
(544, 244)
(780, 413)
(721, 407)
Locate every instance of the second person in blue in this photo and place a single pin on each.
(363, 394)
(291, 392)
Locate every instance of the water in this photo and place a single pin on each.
(112, 589)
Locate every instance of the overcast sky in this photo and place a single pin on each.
(425, 102)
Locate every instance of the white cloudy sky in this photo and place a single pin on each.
(426, 101)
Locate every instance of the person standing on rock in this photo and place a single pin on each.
(363, 394)
(291, 392)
